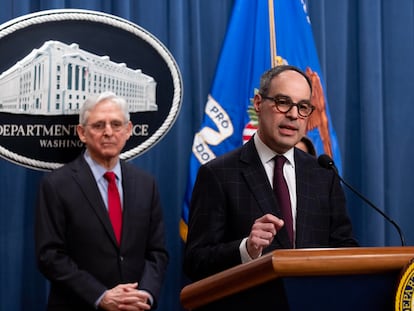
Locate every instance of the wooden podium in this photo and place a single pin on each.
(314, 279)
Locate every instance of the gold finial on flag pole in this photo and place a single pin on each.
(274, 58)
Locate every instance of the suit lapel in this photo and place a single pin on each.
(87, 184)
(130, 195)
(256, 179)
(302, 171)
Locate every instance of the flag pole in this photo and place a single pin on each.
(272, 33)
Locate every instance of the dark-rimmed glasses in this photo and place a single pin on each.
(284, 104)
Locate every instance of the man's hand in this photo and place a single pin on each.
(125, 297)
(263, 231)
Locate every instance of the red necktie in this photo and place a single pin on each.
(114, 205)
(281, 191)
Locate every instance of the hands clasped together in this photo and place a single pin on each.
(262, 234)
(125, 297)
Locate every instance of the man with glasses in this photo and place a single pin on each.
(99, 230)
(238, 210)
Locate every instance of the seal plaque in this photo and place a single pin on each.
(51, 61)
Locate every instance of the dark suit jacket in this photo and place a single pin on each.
(76, 248)
(233, 190)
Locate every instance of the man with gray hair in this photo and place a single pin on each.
(99, 230)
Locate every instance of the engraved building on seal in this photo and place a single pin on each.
(57, 78)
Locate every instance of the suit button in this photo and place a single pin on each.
(121, 258)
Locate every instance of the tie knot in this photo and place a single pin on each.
(279, 161)
(110, 176)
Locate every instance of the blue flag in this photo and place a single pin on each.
(261, 35)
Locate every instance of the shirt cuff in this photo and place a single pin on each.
(150, 298)
(244, 254)
(99, 300)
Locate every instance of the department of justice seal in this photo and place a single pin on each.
(404, 296)
(51, 61)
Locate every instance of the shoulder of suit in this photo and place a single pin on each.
(226, 158)
(303, 158)
(129, 169)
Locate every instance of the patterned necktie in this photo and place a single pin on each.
(281, 191)
(114, 205)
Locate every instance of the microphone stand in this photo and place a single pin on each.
(373, 206)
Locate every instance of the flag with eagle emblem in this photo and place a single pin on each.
(261, 34)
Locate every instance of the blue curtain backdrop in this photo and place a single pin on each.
(366, 53)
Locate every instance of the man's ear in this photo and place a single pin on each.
(81, 133)
(257, 99)
(129, 129)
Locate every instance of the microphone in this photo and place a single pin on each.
(326, 162)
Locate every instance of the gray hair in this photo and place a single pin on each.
(92, 101)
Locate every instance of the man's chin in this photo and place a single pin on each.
(110, 154)
(287, 142)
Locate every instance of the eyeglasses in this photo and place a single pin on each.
(100, 126)
(284, 104)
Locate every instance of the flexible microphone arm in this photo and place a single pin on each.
(326, 162)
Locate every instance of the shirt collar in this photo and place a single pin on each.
(98, 170)
(266, 154)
